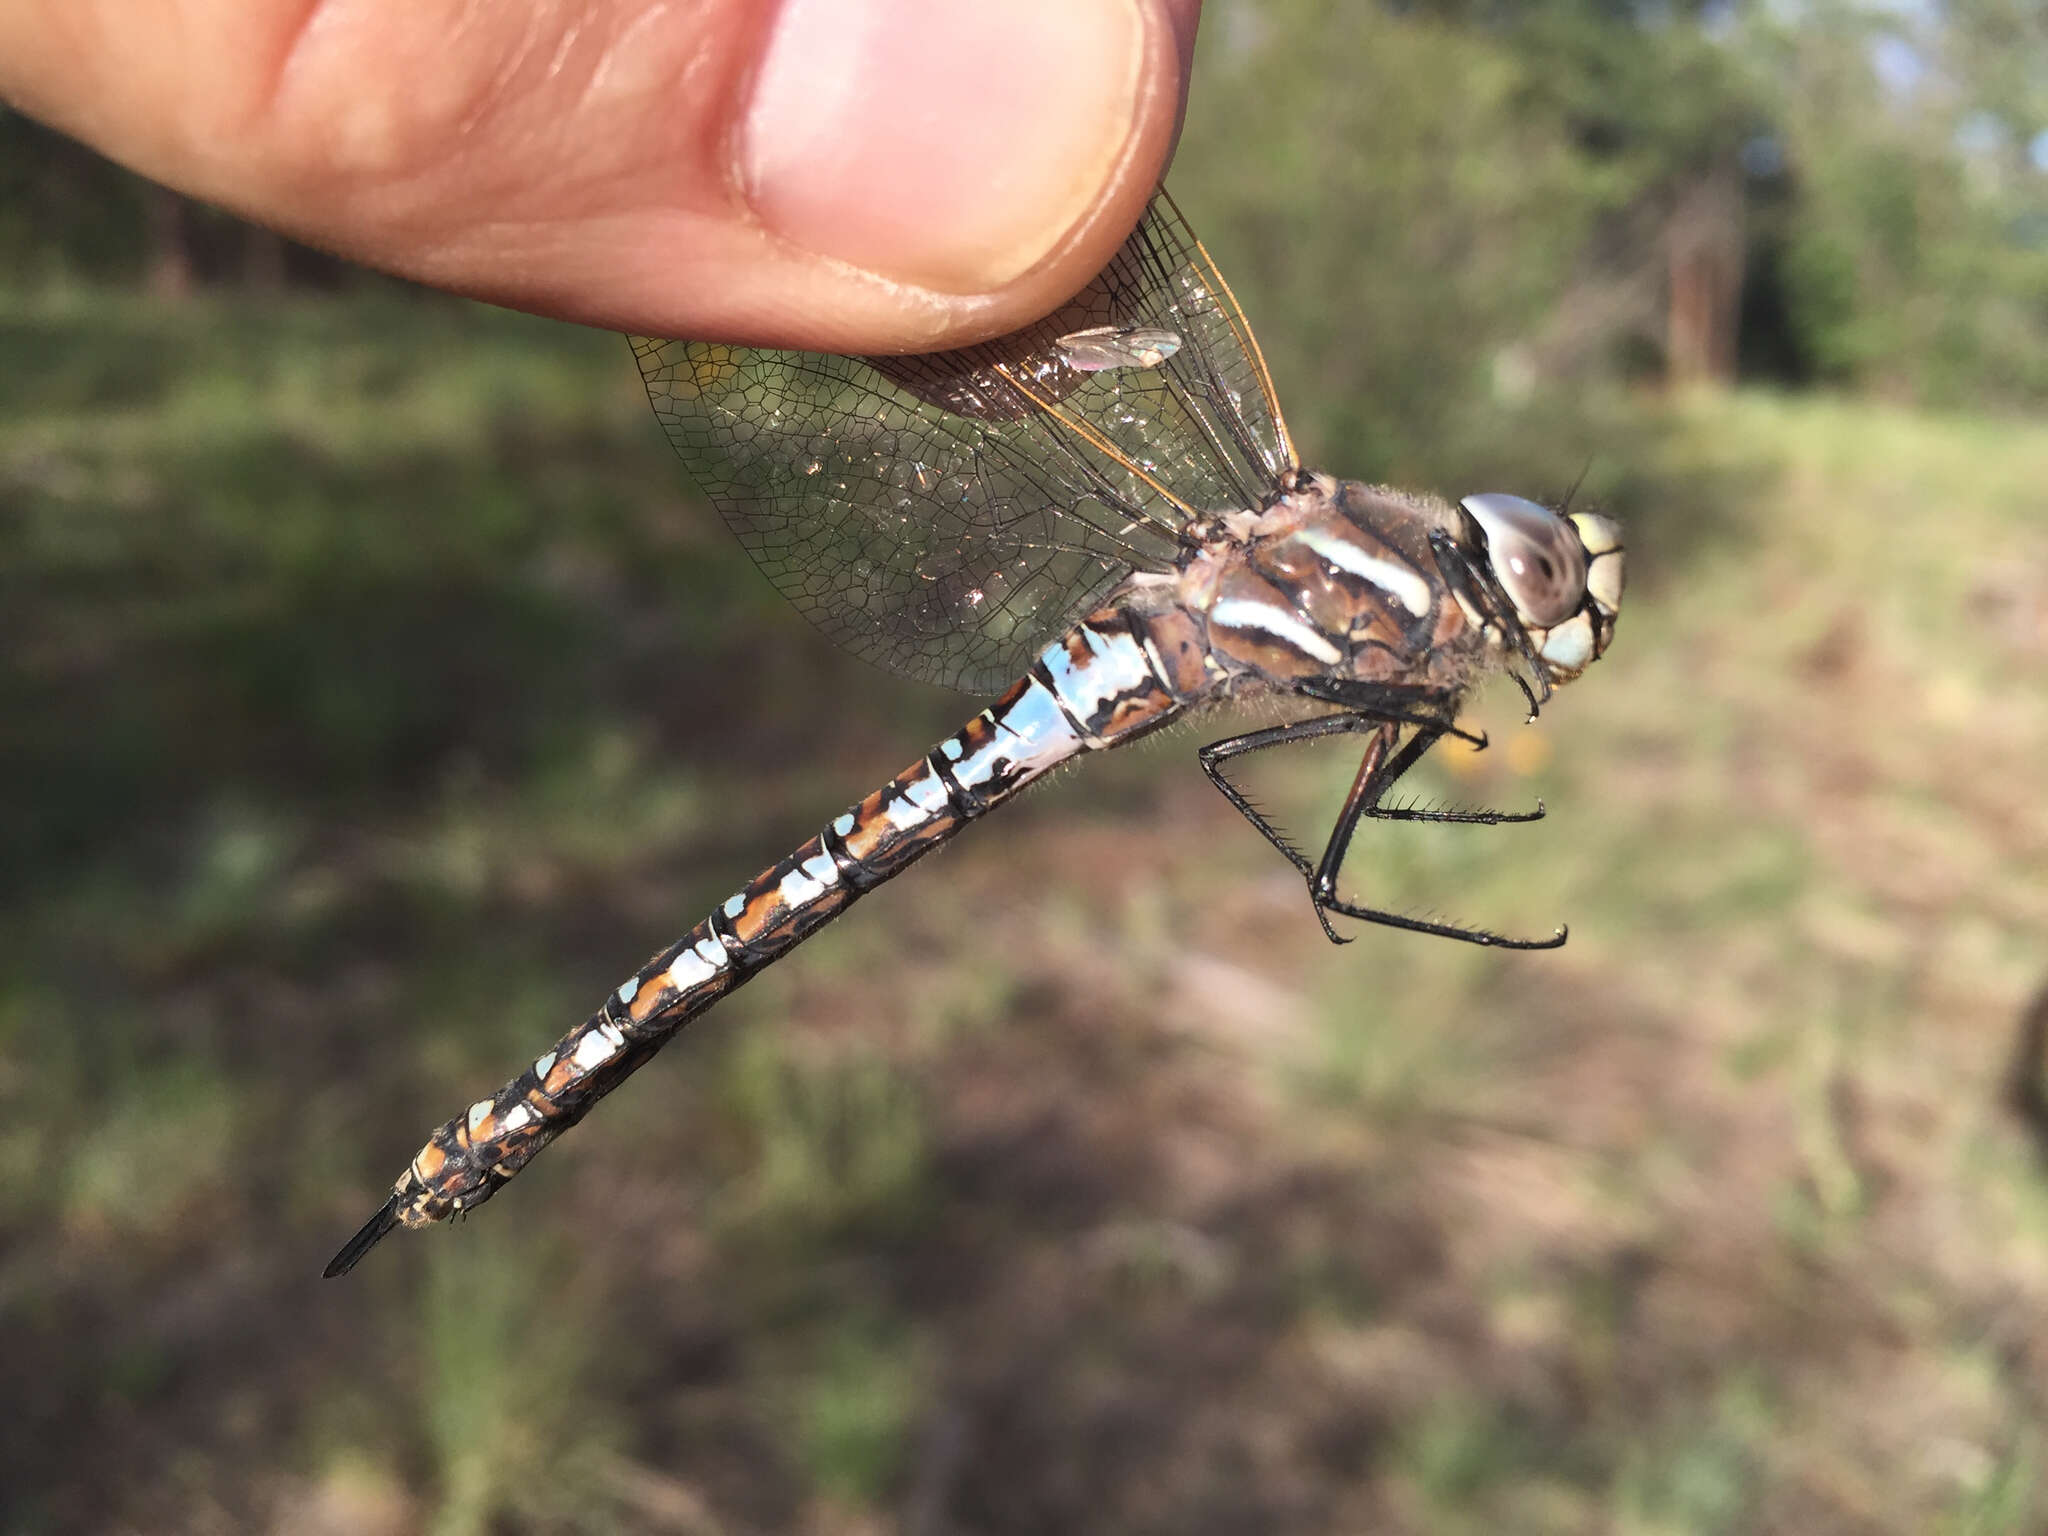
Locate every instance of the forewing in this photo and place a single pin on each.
(945, 515)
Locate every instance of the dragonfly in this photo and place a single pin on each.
(1101, 517)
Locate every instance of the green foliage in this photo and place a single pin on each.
(838, 1140)
(1826, 307)
(1387, 244)
(1434, 199)
(64, 212)
(858, 1407)
(1701, 1479)
(503, 1419)
(152, 1152)
(1910, 227)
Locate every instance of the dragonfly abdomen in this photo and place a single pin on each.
(1095, 687)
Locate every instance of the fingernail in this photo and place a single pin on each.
(948, 143)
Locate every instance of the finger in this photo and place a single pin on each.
(854, 175)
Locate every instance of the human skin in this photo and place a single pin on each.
(839, 175)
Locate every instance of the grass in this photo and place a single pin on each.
(372, 699)
(834, 1143)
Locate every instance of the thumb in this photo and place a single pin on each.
(848, 175)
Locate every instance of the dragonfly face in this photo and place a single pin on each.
(1562, 575)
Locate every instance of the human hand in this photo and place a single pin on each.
(839, 175)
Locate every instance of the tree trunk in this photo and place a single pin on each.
(263, 258)
(1705, 245)
(170, 247)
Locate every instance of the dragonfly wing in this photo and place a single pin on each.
(945, 515)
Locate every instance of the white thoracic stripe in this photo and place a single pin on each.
(1397, 581)
(1247, 613)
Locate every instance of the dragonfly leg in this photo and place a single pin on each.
(1378, 702)
(1364, 706)
(1380, 769)
(1217, 753)
(1391, 705)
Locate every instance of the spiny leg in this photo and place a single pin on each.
(1378, 772)
(1377, 702)
(1217, 753)
(1457, 818)
(1366, 707)
(1463, 935)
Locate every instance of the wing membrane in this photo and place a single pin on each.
(944, 515)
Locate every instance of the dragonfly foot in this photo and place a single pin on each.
(1323, 917)
(1484, 937)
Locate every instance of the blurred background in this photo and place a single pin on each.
(373, 694)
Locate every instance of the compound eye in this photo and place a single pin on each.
(1535, 554)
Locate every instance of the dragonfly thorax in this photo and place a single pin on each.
(1341, 580)
(1334, 578)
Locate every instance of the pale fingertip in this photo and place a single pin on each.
(947, 146)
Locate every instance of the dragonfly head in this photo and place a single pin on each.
(1561, 573)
